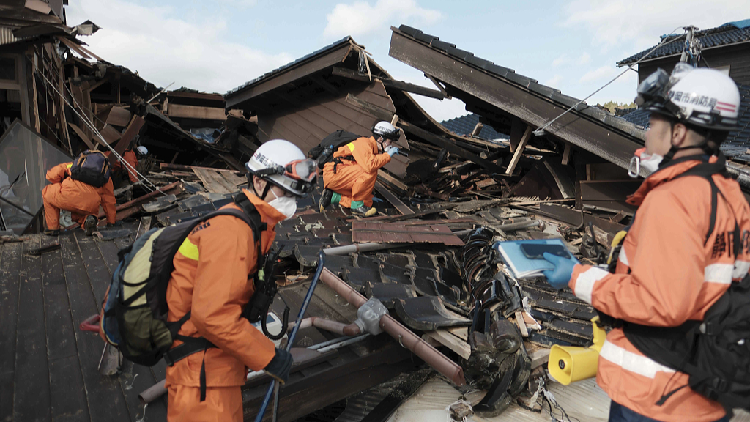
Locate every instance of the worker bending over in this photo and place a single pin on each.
(211, 282)
(349, 179)
(82, 196)
(673, 265)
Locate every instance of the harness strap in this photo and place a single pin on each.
(337, 161)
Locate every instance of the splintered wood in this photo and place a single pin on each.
(363, 232)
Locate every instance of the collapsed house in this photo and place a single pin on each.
(462, 336)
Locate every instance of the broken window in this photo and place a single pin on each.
(25, 158)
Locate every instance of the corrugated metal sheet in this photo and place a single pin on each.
(6, 35)
(398, 233)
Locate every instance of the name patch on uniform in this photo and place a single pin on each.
(201, 226)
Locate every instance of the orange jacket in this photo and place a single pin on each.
(130, 158)
(366, 154)
(210, 280)
(88, 197)
(665, 276)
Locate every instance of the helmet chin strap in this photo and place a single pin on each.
(265, 189)
(703, 146)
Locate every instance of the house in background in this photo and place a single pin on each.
(725, 48)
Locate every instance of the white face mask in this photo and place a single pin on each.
(649, 162)
(286, 205)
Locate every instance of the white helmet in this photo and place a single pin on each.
(702, 97)
(283, 164)
(386, 130)
(142, 151)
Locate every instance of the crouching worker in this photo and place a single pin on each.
(79, 187)
(211, 285)
(350, 177)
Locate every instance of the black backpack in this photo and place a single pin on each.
(714, 352)
(92, 168)
(324, 152)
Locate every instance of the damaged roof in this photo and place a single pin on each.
(504, 92)
(465, 125)
(727, 34)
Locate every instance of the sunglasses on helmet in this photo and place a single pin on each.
(303, 170)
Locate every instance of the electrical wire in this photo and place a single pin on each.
(96, 132)
(540, 131)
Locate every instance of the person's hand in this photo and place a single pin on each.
(560, 275)
(280, 365)
(392, 151)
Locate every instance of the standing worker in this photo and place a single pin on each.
(211, 282)
(350, 177)
(683, 250)
(79, 187)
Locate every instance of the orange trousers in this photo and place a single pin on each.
(222, 404)
(54, 201)
(351, 182)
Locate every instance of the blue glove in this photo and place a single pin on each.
(560, 276)
(392, 151)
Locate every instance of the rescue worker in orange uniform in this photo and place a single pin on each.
(81, 199)
(210, 280)
(668, 272)
(131, 159)
(349, 179)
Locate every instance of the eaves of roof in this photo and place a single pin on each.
(725, 35)
(288, 66)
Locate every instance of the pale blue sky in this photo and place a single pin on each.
(217, 45)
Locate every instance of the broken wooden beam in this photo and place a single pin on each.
(390, 83)
(519, 151)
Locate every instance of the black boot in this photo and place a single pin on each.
(325, 199)
(89, 225)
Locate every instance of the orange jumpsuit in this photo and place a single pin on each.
(130, 158)
(79, 198)
(354, 180)
(210, 280)
(665, 276)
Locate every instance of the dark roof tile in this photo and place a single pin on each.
(464, 125)
(729, 33)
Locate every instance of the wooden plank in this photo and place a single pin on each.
(85, 138)
(127, 137)
(444, 337)
(104, 396)
(390, 197)
(609, 194)
(68, 398)
(110, 134)
(96, 268)
(118, 116)
(32, 394)
(58, 322)
(364, 232)
(566, 153)
(519, 151)
(196, 112)
(210, 182)
(11, 261)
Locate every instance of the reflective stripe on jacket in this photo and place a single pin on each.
(210, 280)
(666, 274)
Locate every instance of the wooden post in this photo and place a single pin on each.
(394, 120)
(477, 129)
(519, 151)
(566, 153)
(516, 133)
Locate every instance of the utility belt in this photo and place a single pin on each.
(339, 160)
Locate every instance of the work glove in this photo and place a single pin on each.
(561, 274)
(392, 151)
(280, 365)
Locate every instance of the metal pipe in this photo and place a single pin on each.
(329, 325)
(405, 337)
(521, 225)
(154, 392)
(360, 247)
(344, 343)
